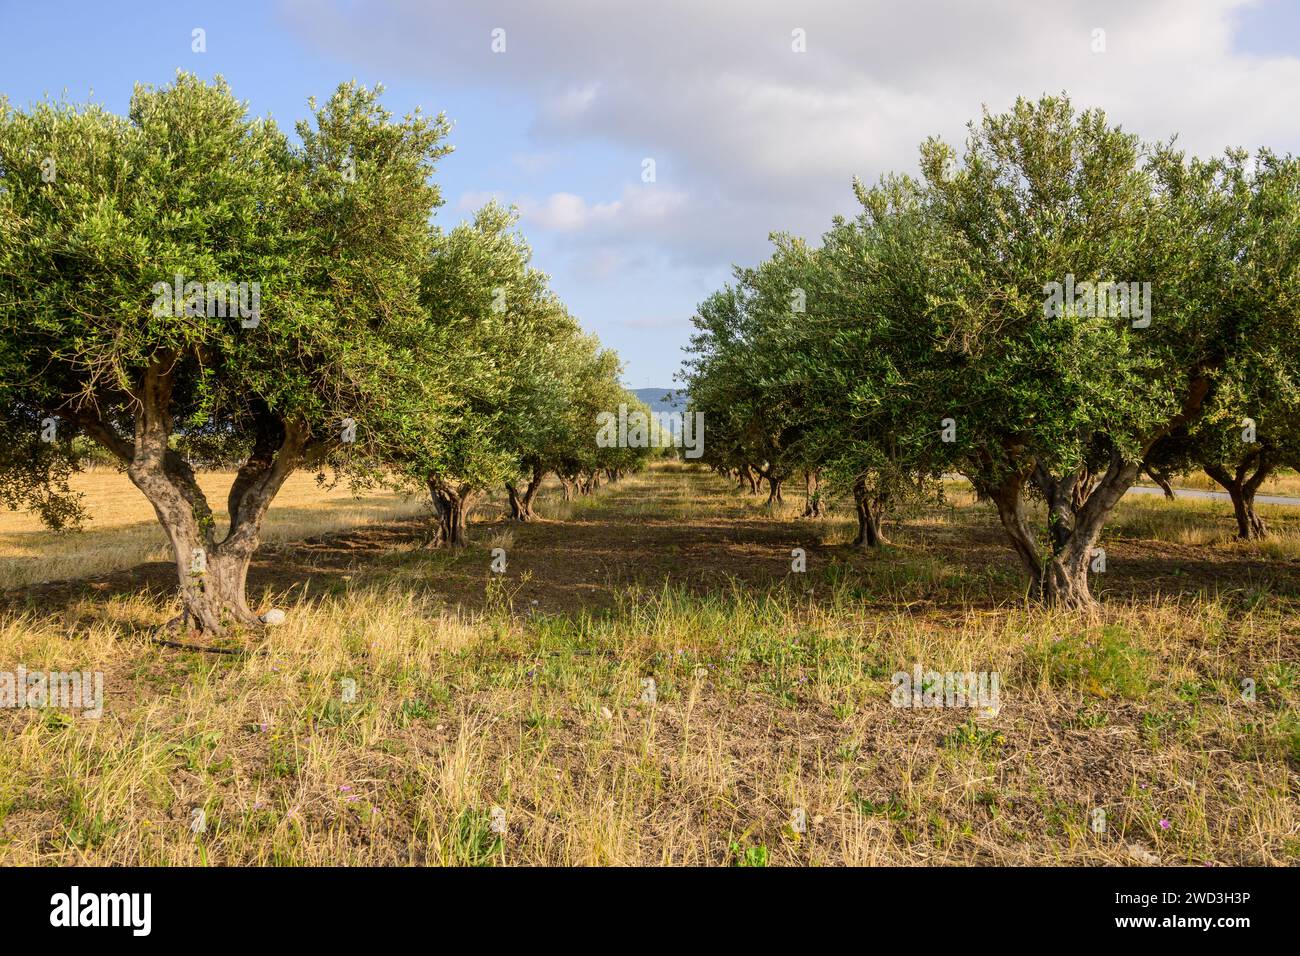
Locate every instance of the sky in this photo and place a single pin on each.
(651, 146)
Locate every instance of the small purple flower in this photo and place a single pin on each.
(345, 788)
(1165, 824)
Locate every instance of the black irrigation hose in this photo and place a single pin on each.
(153, 638)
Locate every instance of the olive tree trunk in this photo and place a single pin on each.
(1078, 506)
(521, 500)
(452, 504)
(774, 490)
(870, 510)
(1241, 487)
(212, 573)
(812, 494)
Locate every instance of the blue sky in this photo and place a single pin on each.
(748, 134)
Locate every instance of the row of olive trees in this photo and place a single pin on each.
(1050, 314)
(187, 284)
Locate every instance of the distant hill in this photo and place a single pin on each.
(662, 399)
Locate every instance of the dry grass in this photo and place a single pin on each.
(121, 530)
(1285, 482)
(773, 694)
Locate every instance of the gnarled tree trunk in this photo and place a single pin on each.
(1064, 497)
(1161, 479)
(1078, 505)
(774, 490)
(870, 510)
(521, 501)
(212, 573)
(812, 494)
(1241, 488)
(452, 504)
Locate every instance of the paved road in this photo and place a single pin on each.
(1215, 495)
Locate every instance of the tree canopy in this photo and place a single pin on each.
(1047, 313)
(188, 283)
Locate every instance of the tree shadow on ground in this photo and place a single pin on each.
(698, 536)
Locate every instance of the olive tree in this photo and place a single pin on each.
(582, 379)
(1085, 292)
(185, 272)
(868, 360)
(736, 376)
(1250, 429)
(797, 365)
(488, 375)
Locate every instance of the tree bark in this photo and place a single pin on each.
(519, 511)
(1249, 524)
(870, 510)
(1064, 497)
(212, 574)
(1161, 479)
(812, 495)
(1078, 506)
(774, 490)
(451, 508)
(1059, 577)
(1241, 488)
(521, 501)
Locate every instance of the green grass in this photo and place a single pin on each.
(773, 693)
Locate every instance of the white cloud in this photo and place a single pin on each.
(472, 201)
(570, 105)
(638, 208)
(562, 211)
(600, 263)
(752, 137)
